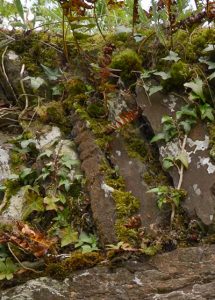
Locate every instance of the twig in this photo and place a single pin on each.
(97, 23)
(24, 92)
(181, 173)
(5, 74)
(16, 258)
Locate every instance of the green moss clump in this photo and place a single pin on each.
(16, 160)
(127, 235)
(98, 126)
(126, 203)
(152, 250)
(211, 129)
(96, 110)
(116, 183)
(126, 206)
(180, 73)
(68, 103)
(77, 261)
(75, 86)
(136, 148)
(127, 61)
(190, 46)
(53, 112)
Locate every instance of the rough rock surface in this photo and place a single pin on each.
(183, 274)
(132, 170)
(199, 178)
(102, 203)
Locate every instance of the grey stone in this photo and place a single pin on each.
(183, 274)
(199, 178)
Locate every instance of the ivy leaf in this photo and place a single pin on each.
(183, 158)
(2, 188)
(154, 190)
(68, 236)
(33, 206)
(166, 119)
(84, 238)
(209, 48)
(168, 162)
(197, 87)
(173, 56)
(66, 183)
(176, 200)
(28, 175)
(25, 143)
(212, 76)
(52, 74)
(206, 112)
(163, 75)
(57, 90)
(186, 111)
(47, 153)
(158, 137)
(36, 82)
(211, 65)
(50, 202)
(68, 162)
(62, 198)
(45, 173)
(187, 125)
(155, 89)
(146, 74)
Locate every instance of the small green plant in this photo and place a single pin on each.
(7, 268)
(87, 243)
(170, 196)
(198, 98)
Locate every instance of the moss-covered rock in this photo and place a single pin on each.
(77, 260)
(53, 113)
(96, 110)
(127, 61)
(75, 86)
(211, 128)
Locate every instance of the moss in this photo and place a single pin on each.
(127, 61)
(76, 189)
(35, 50)
(76, 261)
(68, 103)
(189, 46)
(180, 73)
(96, 110)
(98, 126)
(124, 234)
(16, 160)
(52, 112)
(136, 148)
(126, 206)
(211, 129)
(151, 250)
(116, 183)
(126, 203)
(75, 86)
